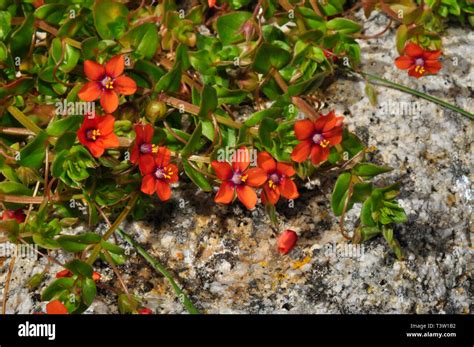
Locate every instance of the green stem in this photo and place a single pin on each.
(419, 94)
(161, 269)
(95, 252)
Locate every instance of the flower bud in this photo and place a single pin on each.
(248, 82)
(19, 215)
(155, 110)
(286, 241)
(145, 311)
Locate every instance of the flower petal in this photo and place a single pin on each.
(222, 169)
(173, 171)
(433, 66)
(256, 177)
(108, 141)
(413, 50)
(432, 55)
(90, 91)
(304, 129)
(146, 163)
(266, 162)
(125, 85)
(225, 194)
(144, 133)
(163, 156)
(95, 148)
(302, 151)
(56, 307)
(109, 101)
(247, 196)
(114, 67)
(414, 72)
(105, 124)
(404, 62)
(94, 71)
(285, 169)
(319, 154)
(288, 189)
(270, 195)
(163, 190)
(241, 159)
(148, 184)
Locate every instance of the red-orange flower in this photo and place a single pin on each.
(238, 178)
(67, 273)
(158, 177)
(106, 83)
(211, 3)
(56, 307)
(143, 151)
(317, 138)
(278, 179)
(18, 215)
(145, 311)
(97, 134)
(418, 61)
(286, 241)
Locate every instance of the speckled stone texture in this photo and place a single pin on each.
(225, 256)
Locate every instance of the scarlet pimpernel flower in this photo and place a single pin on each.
(17, 215)
(143, 151)
(97, 134)
(158, 177)
(286, 241)
(107, 82)
(418, 61)
(278, 179)
(238, 178)
(316, 138)
(56, 307)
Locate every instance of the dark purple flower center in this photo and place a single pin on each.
(92, 134)
(317, 138)
(419, 62)
(146, 148)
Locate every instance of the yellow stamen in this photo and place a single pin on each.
(154, 149)
(272, 184)
(324, 143)
(94, 134)
(244, 178)
(167, 172)
(109, 83)
(420, 69)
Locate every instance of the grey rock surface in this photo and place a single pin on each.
(225, 256)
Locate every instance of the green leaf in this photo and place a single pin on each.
(229, 27)
(108, 18)
(77, 243)
(70, 55)
(89, 291)
(366, 232)
(143, 39)
(270, 56)
(79, 268)
(51, 13)
(369, 170)
(343, 25)
(33, 154)
(56, 287)
(208, 102)
(366, 213)
(401, 38)
(65, 141)
(60, 126)
(5, 24)
(19, 87)
(196, 177)
(21, 39)
(171, 81)
(193, 142)
(371, 94)
(340, 192)
(14, 188)
(267, 126)
(272, 112)
(45, 242)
